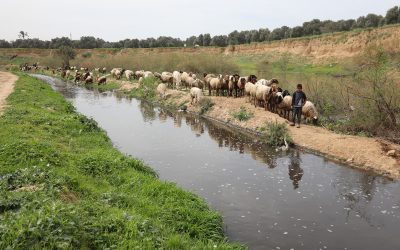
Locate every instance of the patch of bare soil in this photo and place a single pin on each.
(7, 81)
(29, 188)
(360, 152)
(68, 196)
(128, 86)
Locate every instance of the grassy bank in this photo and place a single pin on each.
(63, 185)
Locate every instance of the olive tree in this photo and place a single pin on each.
(66, 53)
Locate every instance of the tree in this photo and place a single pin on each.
(312, 28)
(57, 42)
(372, 20)
(220, 41)
(22, 34)
(297, 31)
(66, 53)
(233, 38)
(264, 35)
(190, 41)
(255, 36)
(280, 33)
(199, 40)
(4, 44)
(88, 42)
(206, 39)
(392, 15)
(345, 25)
(360, 23)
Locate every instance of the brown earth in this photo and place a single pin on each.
(318, 48)
(7, 81)
(360, 152)
(336, 45)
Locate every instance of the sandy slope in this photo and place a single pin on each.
(360, 152)
(7, 81)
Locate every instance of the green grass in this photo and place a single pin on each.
(63, 185)
(205, 104)
(242, 114)
(275, 134)
(270, 65)
(147, 89)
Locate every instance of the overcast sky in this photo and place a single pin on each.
(119, 19)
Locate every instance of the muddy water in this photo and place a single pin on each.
(269, 200)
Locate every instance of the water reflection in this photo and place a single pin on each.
(147, 110)
(295, 171)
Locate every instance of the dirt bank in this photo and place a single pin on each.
(360, 152)
(338, 45)
(7, 81)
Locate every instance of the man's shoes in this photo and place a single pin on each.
(292, 124)
(298, 125)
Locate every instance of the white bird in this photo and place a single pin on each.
(283, 148)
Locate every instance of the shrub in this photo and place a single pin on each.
(87, 55)
(147, 89)
(205, 104)
(242, 114)
(276, 133)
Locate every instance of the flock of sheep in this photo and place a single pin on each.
(263, 93)
(260, 92)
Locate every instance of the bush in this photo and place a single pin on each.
(276, 134)
(205, 104)
(87, 55)
(242, 114)
(147, 89)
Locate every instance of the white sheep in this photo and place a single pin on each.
(264, 82)
(310, 112)
(139, 73)
(215, 83)
(161, 89)
(176, 75)
(148, 74)
(262, 95)
(166, 77)
(247, 89)
(129, 74)
(285, 106)
(184, 79)
(114, 71)
(67, 74)
(207, 78)
(118, 74)
(195, 94)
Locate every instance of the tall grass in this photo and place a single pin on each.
(158, 62)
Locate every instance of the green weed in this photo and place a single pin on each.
(242, 114)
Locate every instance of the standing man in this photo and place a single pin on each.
(298, 101)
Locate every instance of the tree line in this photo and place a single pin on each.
(313, 27)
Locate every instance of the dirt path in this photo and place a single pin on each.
(360, 152)
(7, 81)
